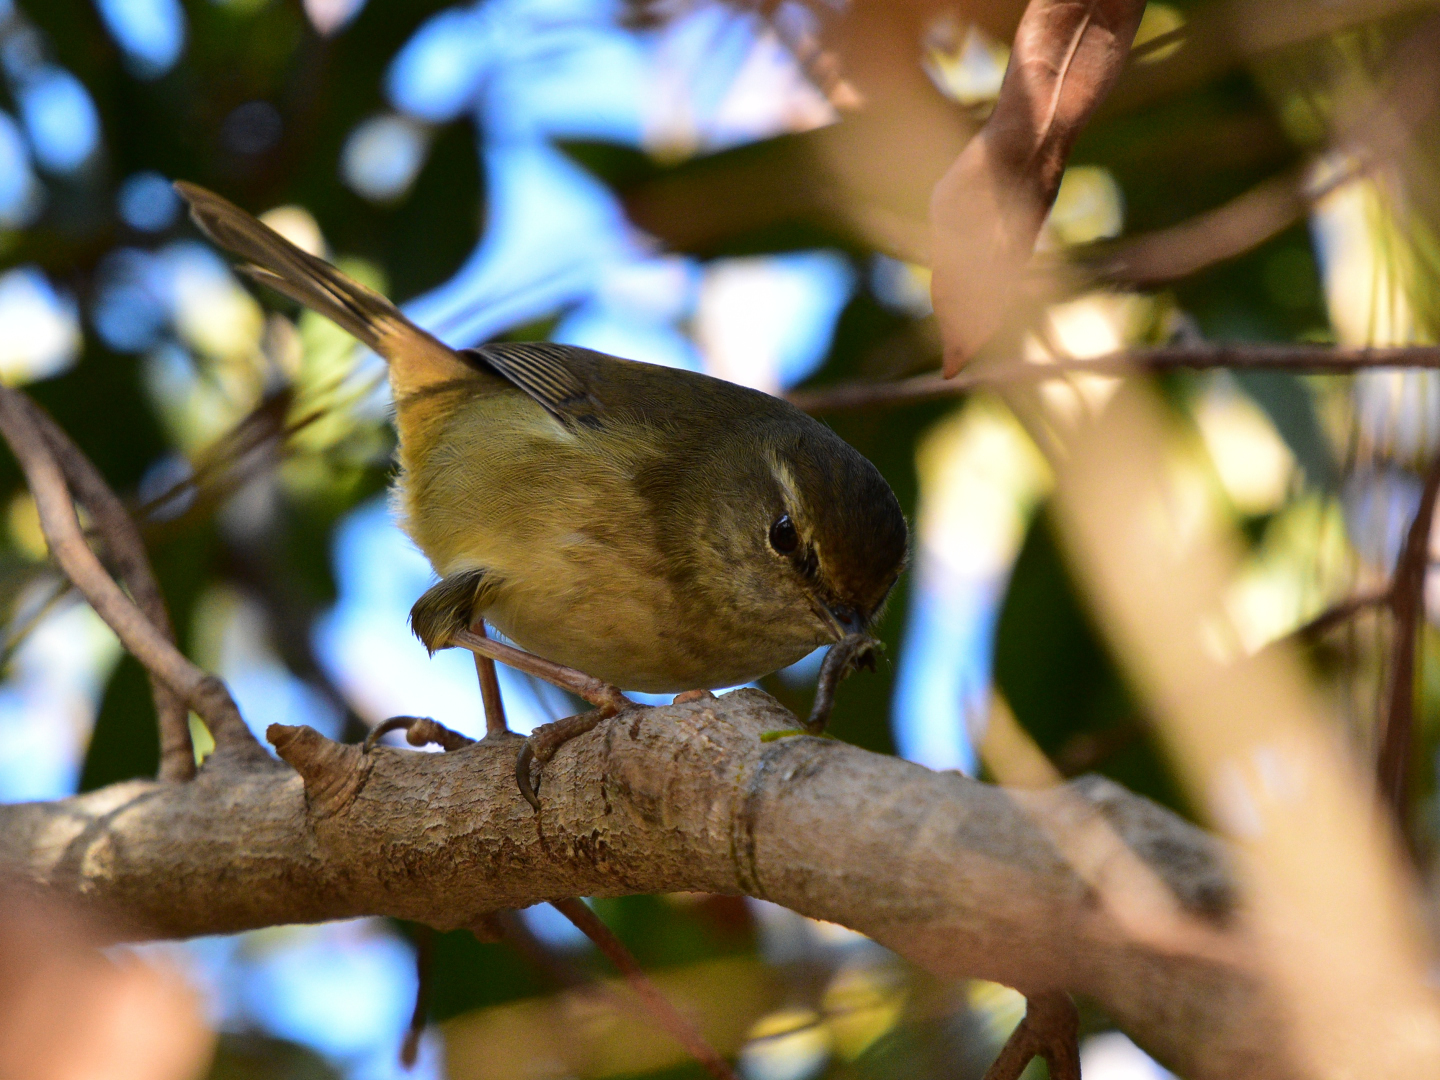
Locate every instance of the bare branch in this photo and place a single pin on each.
(1299, 359)
(548, 962)
(1227, 32)
(1375, 131)
(127, 549)
(953, 874)
(424, 969)
(1407, 601)
(1225, 232)
(679, 1028)
(1051, 1029)
(204, 693)
(821, 66)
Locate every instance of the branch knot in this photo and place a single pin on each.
(334, 773)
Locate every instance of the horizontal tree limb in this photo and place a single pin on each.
(961, 877)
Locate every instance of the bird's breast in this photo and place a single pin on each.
(573, 549)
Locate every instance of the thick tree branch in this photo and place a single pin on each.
(960, 877)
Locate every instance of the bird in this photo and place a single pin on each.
(654, 528)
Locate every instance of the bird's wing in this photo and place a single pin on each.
(556, 376)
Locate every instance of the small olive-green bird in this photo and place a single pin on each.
(658, 529)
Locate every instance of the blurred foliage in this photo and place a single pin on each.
(253, 1056)
(470, 974)
(1057, 674)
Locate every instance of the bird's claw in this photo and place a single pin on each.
(542, 744)
(419, 730)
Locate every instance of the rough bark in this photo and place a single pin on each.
(958, 876)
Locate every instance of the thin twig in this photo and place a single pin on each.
(1224, 232)
(684, 1032)
(1300, 359)
(256, 442)
(203, 693)
(127, 551)
(1379, 127)
(25, 622)
(227, 465)
(822, 67)
(290, 612)
(1142, 49)
(1051, 1030)
(1408, 603)
(1345, 610)
(507, 925)
(424, 968)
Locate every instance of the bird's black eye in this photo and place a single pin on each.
(783, 537)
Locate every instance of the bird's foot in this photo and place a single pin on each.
(419, 730)
(692, 695)
(540, 747)
(849, 653)
(542, 744)
(1051, 1030)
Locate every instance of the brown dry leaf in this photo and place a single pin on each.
(987, 210)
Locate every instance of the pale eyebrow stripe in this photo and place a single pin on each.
(786, 479)
(780, 469)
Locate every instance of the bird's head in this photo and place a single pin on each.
(778, 532)
(824, 536)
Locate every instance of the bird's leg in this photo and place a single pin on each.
(540, 747)
(495, 726)
(1051, 1030)
(587, 687)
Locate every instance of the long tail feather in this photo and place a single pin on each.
(417, 359)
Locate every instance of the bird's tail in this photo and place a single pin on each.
(417, 359)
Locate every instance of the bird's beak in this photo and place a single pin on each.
(842, 621)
